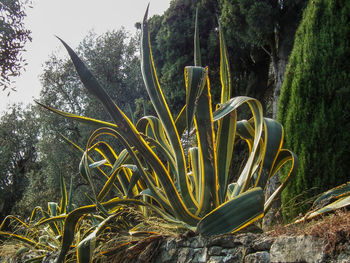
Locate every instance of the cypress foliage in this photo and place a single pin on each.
(314, 105)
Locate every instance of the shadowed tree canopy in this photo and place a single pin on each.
(267, 25)
(13, 36)
(19, 131)
(172, 46)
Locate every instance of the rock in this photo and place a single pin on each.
(245, 239)
(258, 257)
(198, 241)
(221, 259)
(344, 254)
(185, 255)
(215, 251)
(180, 242)
(216, 259)
(168, 251)
(169, 244)
(263, 243)
(342, 258)
(234, 254)
(229, 258)
(247, 248)
(200, 255)
(167, 256)
(297, 249)
(224, 241)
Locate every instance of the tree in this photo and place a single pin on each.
(13, 37)
(19, 131)
(61, 89)
(113, 58)
(267, 26)
(172, 46)
(314, 104)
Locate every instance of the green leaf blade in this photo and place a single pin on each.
(235, 214)
(158, 100)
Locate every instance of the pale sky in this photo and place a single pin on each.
(71, 20)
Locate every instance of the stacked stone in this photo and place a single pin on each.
(247, 248)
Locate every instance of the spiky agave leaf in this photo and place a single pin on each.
(331, 200)
(153, 164)
(226, 126)
(130, 135)
(159, 103)
(87, 245)
(235, 214)
(73, 217)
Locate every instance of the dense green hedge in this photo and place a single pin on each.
(314, 104)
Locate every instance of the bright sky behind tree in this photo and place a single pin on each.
(71, 20)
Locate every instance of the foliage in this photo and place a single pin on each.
(333, 199)
(114, 57)
(13, 37)
(152, 173)
(314, 104)
(60, 89)
(39, 187)
(19, 131)
(152, 165)
(260, 22)
(42, 131)
(172, 38)
(171, 35)
(267, 29)
(42, 235)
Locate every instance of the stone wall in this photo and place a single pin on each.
(247, 248)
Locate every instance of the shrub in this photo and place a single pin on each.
(314, 106)
(152, 172)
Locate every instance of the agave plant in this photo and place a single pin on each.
(152, 171)
(329, 201)
(43, 233)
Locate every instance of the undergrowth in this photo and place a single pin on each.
(141, 241)
(333, 228)
(130, 243)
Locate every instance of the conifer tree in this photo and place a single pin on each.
(314, 105)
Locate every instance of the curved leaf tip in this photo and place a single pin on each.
(146, 14)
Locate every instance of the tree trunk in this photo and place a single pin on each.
(279, 60)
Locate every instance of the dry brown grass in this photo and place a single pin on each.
(12, 251)
(8, 250)
(333, 228)
(123, 242)
(130, 235)
(140, 241)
